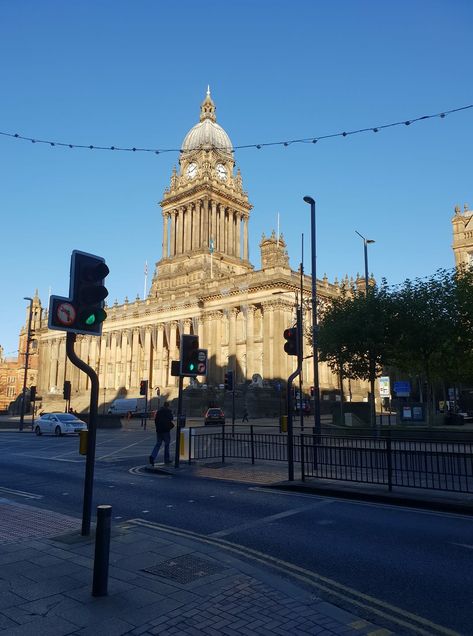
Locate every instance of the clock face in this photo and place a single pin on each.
(191, 170)
(221, 171)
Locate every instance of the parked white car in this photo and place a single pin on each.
(59, 424)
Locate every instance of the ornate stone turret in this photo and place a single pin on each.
(462, 226)
(273, 252)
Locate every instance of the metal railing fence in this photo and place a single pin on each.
(435, 465)
(429, 464)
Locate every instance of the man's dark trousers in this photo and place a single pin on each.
(160, 438)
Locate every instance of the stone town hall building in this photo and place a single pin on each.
(203, 284)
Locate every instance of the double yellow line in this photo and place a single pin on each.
(390, 613)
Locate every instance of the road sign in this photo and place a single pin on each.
(402, 388)
(384, 386)
(202, 362)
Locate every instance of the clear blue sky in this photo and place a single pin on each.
(133, 73)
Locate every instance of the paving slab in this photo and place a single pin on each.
(177, 585)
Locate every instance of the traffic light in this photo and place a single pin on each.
(189, 358)
(312, 391)
(144, 387)
(228, 381)
(66, 391)
(82, 312)
(87, 291)
(32, 393)
(291, 346)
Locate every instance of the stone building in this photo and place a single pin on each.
(204, 284)
(12, 370)
(462, 225)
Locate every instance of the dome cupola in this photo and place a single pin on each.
(207, 134)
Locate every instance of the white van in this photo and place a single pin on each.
(135, 406)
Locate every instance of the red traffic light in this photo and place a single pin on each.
(291, 346)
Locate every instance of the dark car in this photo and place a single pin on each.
(214, 416)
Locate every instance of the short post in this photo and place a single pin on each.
(389, 461)
(102, 551)
(252, 438)
(302, 456)
(223, 443)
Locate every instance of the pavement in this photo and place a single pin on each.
(167, 581)
(161, 580)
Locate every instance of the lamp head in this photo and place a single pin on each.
(309, 200)
(27, 298)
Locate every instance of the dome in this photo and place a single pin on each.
(207, 133)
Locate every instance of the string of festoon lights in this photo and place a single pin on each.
(287, 142)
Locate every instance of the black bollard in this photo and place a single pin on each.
(102, 551)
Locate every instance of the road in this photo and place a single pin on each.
(392, 565)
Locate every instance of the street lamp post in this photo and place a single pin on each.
(27, 354)
(367, 242)
(317, 425)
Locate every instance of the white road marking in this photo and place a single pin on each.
(464, 545)
(266, 520)
(20, 493)
(119, 450)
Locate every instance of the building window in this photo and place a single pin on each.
(11, 391)
(11, 379)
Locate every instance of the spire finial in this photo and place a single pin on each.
(207, 109)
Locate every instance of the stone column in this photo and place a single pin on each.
(267, 349)
(61, 362)
(231, 240)
(173, 352)
(158, 355)
(205, 238)
(112, 361)
(238, 235)
(232, 358)
(165, 234)
(188, 233)
(195, 226)
(221, 238)
(148, 359)
(245, 238)
(250, 335)
(54, 345)
(217, 346)
(213, 226)
(172, 249)
(135, 355)
(103, 380)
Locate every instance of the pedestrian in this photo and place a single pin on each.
(164, 425)
(245, 416)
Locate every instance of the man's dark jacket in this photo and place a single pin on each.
(163, 420)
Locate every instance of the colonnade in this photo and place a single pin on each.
(247, 339)
(192, 226)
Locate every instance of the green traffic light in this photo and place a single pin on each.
(93, 317)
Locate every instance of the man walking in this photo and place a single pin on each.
(164, 425)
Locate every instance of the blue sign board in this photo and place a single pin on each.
(402, 388)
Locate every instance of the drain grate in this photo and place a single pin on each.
(184, 569)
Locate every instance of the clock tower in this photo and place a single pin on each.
(205, 211)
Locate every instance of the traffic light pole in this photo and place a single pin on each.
(290, 407)
(91, 438)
